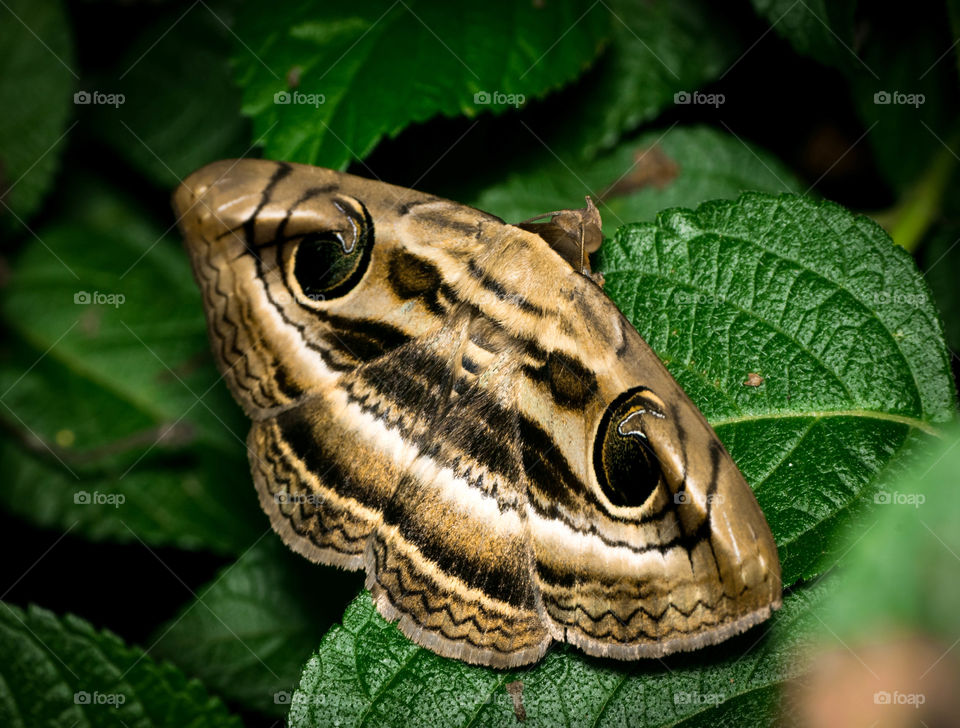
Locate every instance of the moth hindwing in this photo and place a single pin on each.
(445, 401)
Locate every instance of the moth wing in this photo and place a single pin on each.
(356, 478)
(450, 558)
(237, 217)
(690, 563)
(310, 477)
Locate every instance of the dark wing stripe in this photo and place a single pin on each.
(308, 439)
(250, 225)
(415, 516)
(489, 283)
(483, 620)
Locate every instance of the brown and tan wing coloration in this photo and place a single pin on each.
(443, 400)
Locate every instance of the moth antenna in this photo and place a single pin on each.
(538, 217)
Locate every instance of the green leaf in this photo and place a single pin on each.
(834, 317)
(366, 673)
(353, 74)
(36, 64)
(191, 502)
(117, 297)
(175, 119)
(250, 631)
(658, 49)
(821, 29)
(892, 578)
(109, 389)
(839, 324)
(59, 671)
(681, 166)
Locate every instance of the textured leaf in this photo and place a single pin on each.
(366, 71)
(87, 390)
(250, 631)
(36, 65)
(657, 49)
(366, 673)
(822, 29)
(196, 501)
(175, 119)
(839, 326)
(682, 166)
(59, 671)
(122, 296)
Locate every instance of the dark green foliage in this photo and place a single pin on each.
(808, 338)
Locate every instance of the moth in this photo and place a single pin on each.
(453, 404)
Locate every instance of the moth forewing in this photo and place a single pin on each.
(449, 403)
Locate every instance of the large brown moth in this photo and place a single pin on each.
(452, 404)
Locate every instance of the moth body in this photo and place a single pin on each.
(449, 403)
